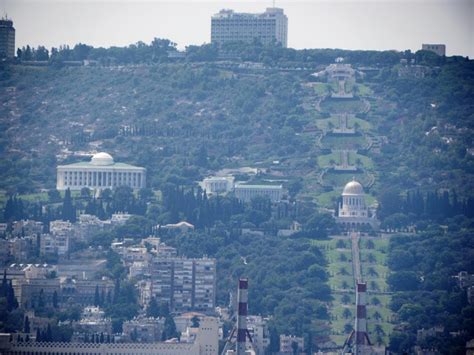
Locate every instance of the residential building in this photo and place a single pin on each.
(205, 342)
(63, 232)
(288, 342)
(26, 227)
(258, 329)
(29, 290)
(181, 227)
(247, 192)
(143, 329)
(439, 49)
(88, 226)
(7, 39)
(267, 27)
(186, 284)
(21, 249)
(102, 172)
(93, 321)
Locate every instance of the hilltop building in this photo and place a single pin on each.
(353, 211)
(7, 39)
(439, 49)
(268, 27)
(102, 172)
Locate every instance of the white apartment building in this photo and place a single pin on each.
(268, 27)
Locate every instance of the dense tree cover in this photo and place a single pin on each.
(429, 130)
(286, 276)
(158, 49)
(417, 208)
(426, 294)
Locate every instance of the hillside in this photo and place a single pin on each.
(405, 132)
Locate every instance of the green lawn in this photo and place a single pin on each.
(363, 90)
(353, 142)
(321, 89)
(342, 105)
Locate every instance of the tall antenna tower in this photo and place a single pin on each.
(240, 332)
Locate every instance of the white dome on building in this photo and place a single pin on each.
(353, 188)
(102, 158)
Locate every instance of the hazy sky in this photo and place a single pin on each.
(349, 24)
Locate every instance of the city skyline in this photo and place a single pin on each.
(352, 24)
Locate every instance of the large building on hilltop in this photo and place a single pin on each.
(7, 39)
(268, 27)
(439, 49)
(353, 212)
(102, 172)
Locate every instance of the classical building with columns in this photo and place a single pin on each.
(101, 172)
(353, 213)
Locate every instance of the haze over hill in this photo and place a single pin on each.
(378, 25)
(139, 185)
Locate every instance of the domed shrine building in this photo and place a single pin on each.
(353, 212)
(101, 172)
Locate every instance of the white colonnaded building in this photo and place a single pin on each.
(353, 211)
(101, 172)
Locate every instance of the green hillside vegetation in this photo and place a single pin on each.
(422, 269)
(184, 120)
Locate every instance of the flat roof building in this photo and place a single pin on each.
(439, 49)
(246, 193)
(7, 39)
(102, 172)
(268, 27)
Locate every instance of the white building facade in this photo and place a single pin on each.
(101, 172)
(353, 211)
(218, 184)
(247, 192)
(268, 27)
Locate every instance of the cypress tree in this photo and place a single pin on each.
(26, 325)
(96, 296)
(49, 334)
(55, 299)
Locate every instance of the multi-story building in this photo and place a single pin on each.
(100, 173)
(267, 27)
(290, 343)
(204, 342)
(186, 284)
(21, 249)
(63, 232)
(143, 329)
(89, 226)
(439, 49)
(7, 39)
(68, 290)
(247, 192)
(258, 329)
(26, 227)
(93, 321)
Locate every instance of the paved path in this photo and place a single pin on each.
(356, 258)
